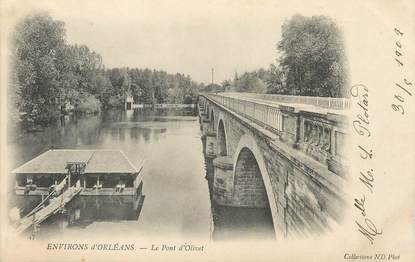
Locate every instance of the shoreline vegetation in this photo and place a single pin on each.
(52, 78)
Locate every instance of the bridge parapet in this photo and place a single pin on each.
(319, 132)
(335, 103)
(285, 157)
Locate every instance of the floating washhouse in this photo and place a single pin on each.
(97, 172)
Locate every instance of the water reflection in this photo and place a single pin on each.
(83, 211)
(86, 210)
(176, 194)
(84, 132)
(178, 201)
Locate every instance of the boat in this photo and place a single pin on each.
(98, 172)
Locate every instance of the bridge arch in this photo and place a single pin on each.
(222, 139)
(248, 158)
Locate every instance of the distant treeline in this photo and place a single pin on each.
(51, 76)
(311, 62)
(151, 86)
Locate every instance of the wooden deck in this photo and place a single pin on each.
(129, 191)
(42, 214)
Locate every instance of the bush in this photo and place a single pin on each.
(115, 101)
(89, 105)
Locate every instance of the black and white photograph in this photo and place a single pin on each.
(241, 130)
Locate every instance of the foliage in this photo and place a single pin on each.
(226, 85)
(155, 86)
(89, 105)
(40, 45)
(50, 74)
(251, 82)
(311, 62)
(312, 56)
(257, 81)
(274, 81)
(211, 88)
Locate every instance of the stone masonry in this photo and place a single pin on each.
(298, 173)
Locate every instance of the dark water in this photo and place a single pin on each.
(175, 200)
(237, 223)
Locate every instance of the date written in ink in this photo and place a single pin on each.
(404, 86)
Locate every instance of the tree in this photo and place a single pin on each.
(251, 82)
(81, 75)
(126, 83)
(87, 65)
(160, 86)
(146, 85)
(39, 46)
(258, 86)
(103, 88)
(312, 57)
(274, 81)
(226, 85)
(50, 73)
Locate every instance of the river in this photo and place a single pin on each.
(175, 201)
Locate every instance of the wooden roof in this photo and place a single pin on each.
(97, 161)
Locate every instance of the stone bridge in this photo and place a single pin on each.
(285, 153)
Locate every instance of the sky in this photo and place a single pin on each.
(188, 37)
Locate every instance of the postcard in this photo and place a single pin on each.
(254, 130)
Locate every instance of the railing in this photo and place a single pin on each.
(268, 116)
(325, 102)
(61, 185)
(43, 210)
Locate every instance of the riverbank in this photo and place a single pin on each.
(133, 106)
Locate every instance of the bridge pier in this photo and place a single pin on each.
(209, 136)
(202, 115)
(289, 159)
(205, 123)
(223, 180)
(210, 145)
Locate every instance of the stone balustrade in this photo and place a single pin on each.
(318, 133)
(288, 157)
